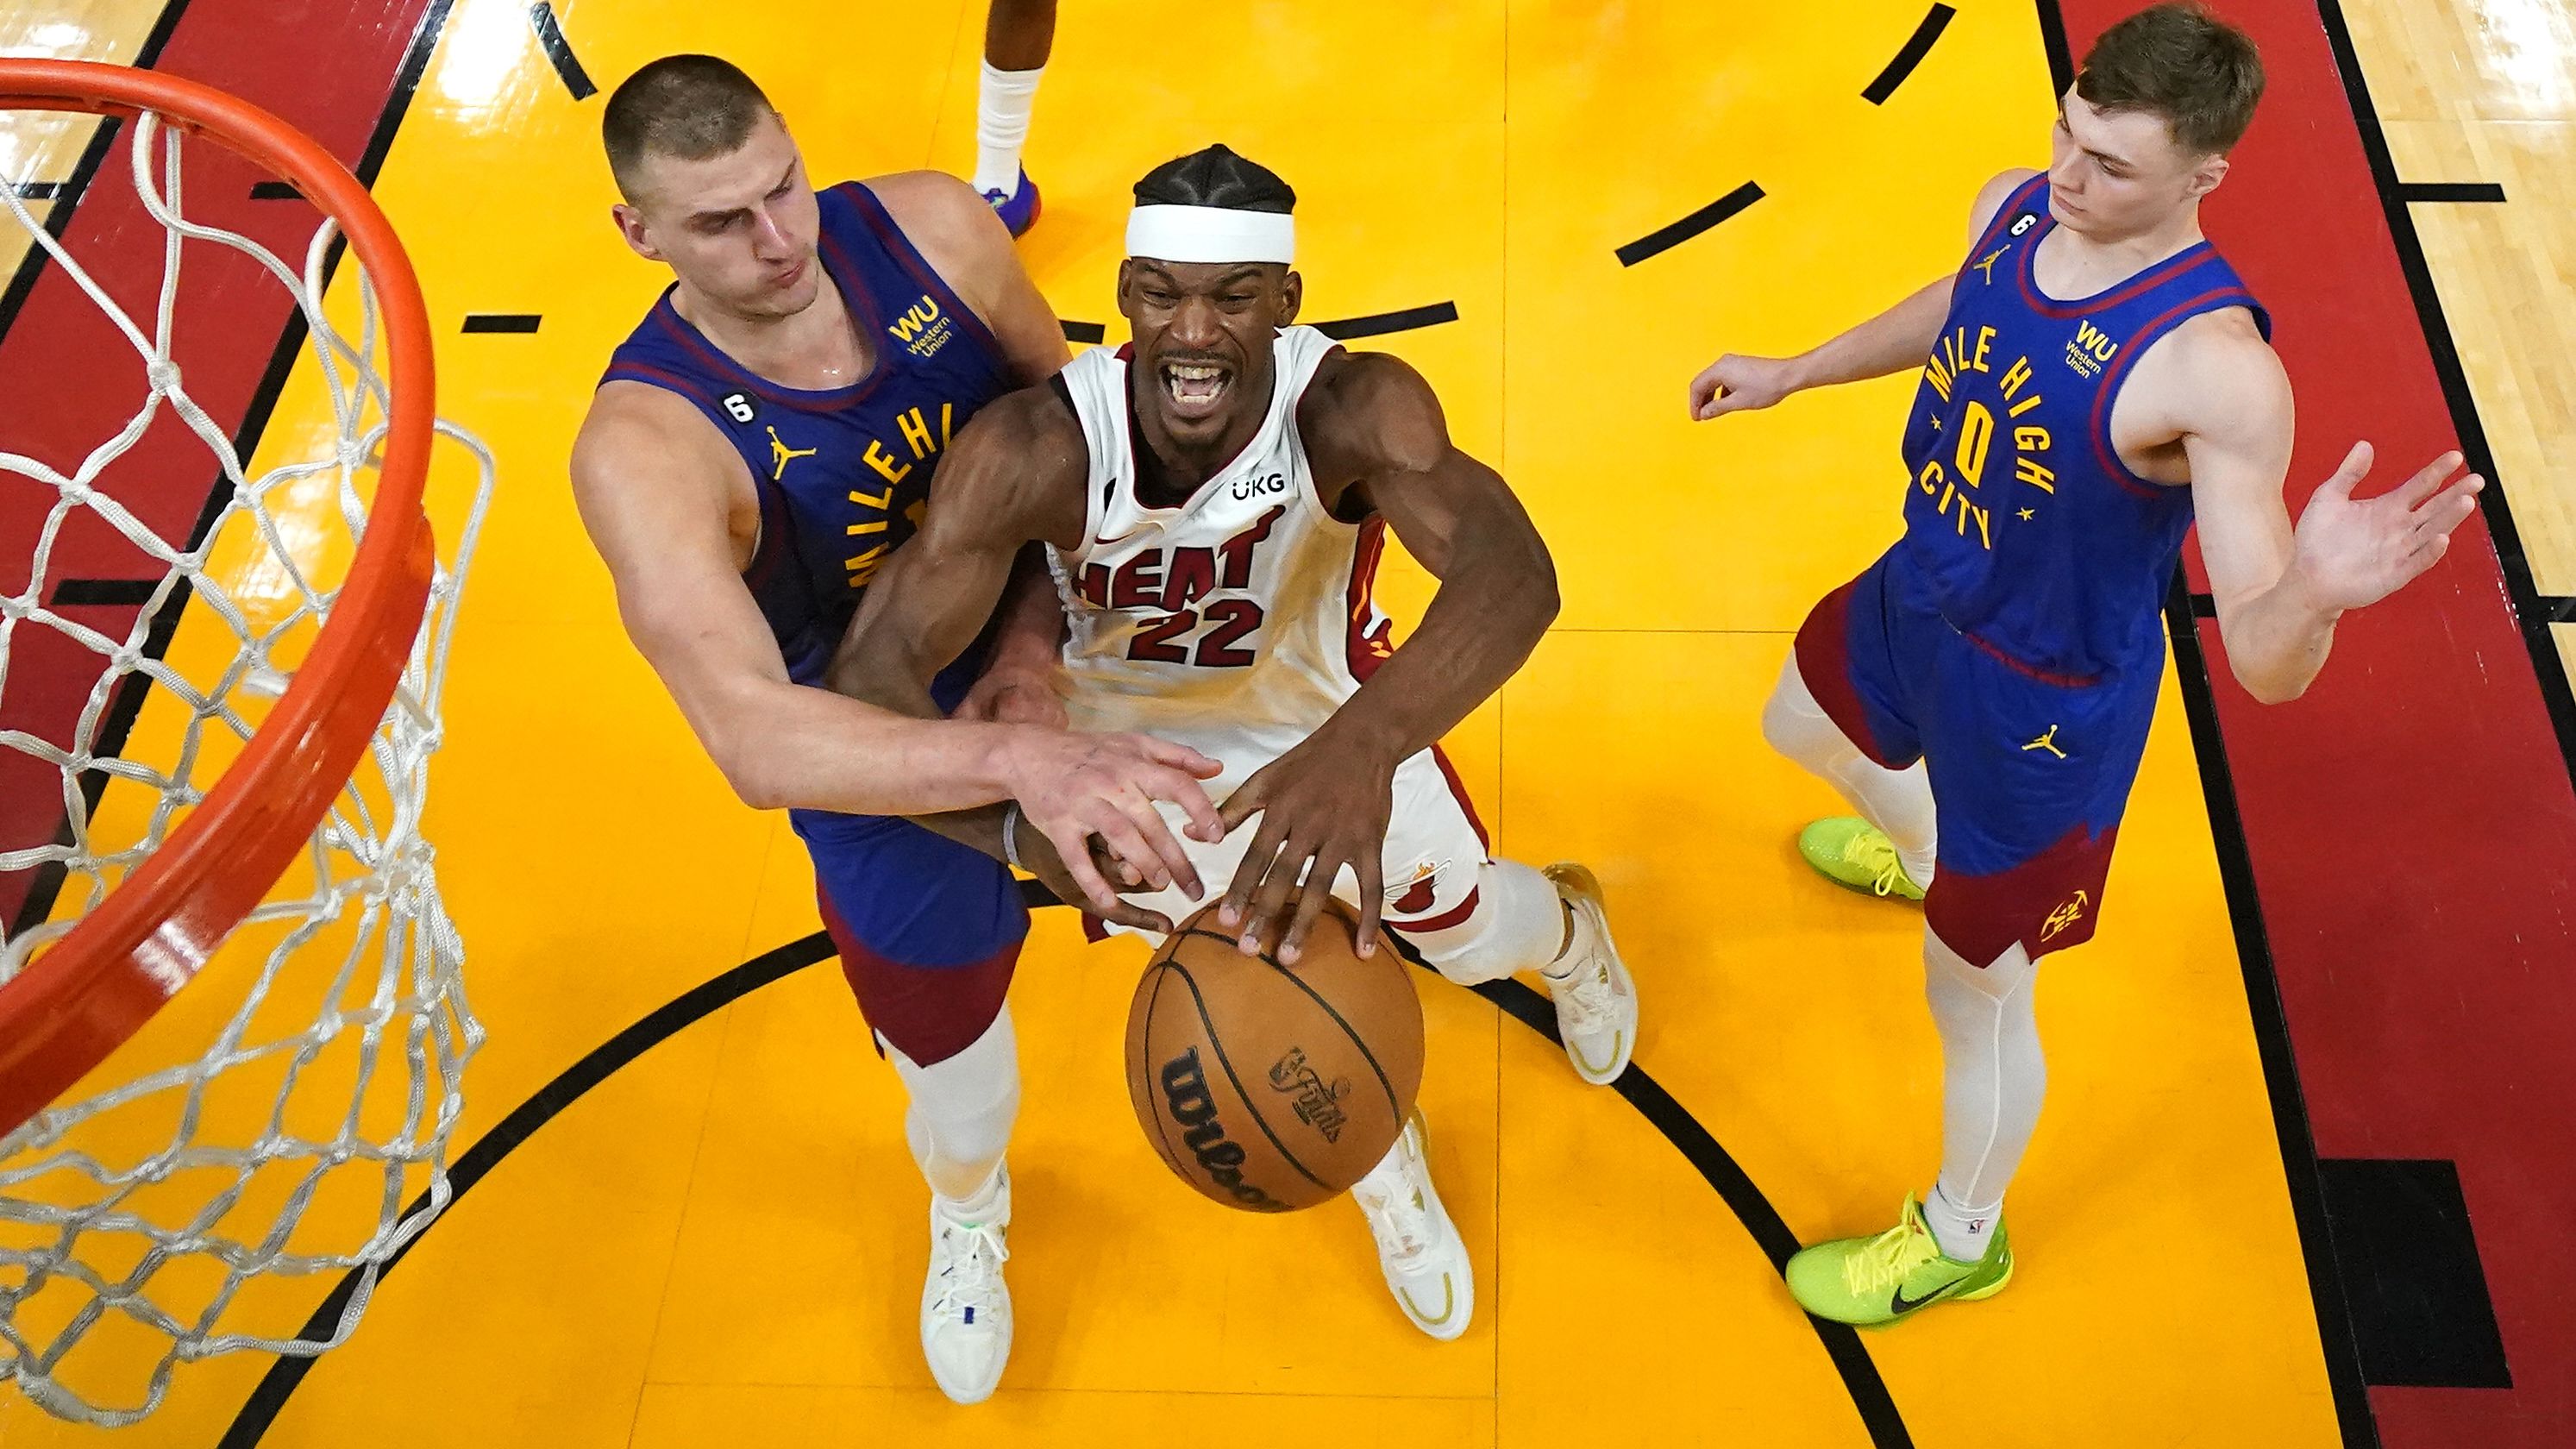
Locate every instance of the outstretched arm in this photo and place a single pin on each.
(2279, 589)
(1012, 478)
(1895, 340)
(1373, 421)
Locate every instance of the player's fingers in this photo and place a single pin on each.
(1183, 789)
(1158, 838)
(1247, 876)
(1272, 902)
(1246, 802)
(2355, 467)
(1372, 898)
(1077, 864)
(1179, 757)
(2425, 483)
(1118, 832)
(1318, 894)
(1127, 913)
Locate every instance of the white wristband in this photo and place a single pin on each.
(1011, 834)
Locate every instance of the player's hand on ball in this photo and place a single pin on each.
(1014, 696)
(1735, 384)
(1323, 805)
(1038, 857)
(2355, 552)
(1073, 786)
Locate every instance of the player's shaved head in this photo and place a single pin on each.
(689, 107)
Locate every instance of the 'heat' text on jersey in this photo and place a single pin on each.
(1173, 581)
(1961, 363)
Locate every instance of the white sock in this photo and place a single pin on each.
(958, 1121)
(1962, 1232)
(1002, 126)
(1898, 802)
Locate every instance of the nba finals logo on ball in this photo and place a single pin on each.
(1338, 1038)
(1316, 1103)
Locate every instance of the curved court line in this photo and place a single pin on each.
(1378, 324)
(559, 51)
(1696, 1144)
(1664, 239)
(1917, 46)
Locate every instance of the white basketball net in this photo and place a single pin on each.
(145, 1216)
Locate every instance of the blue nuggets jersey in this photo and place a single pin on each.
(843, 474)
(2027, 531)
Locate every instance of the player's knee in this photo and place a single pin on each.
(1512, 922)
(963, 1107)
(1794, 724)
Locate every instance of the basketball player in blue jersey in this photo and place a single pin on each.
(760, 445)
(1213, 499)
(2097, 378)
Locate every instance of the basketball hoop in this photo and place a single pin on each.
(290, 713)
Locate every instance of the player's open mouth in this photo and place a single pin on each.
(1196, 388)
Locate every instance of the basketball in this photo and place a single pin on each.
(1271, 1088)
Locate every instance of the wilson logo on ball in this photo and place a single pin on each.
(1186, 1097)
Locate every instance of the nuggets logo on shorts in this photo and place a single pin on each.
(2065, 915)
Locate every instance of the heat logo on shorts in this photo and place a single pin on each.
(1187, 1098)
(1318, 1103)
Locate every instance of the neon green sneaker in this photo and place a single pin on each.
(1849, 851)
(1873, 1282)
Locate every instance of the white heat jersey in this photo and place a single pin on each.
(1235, 623)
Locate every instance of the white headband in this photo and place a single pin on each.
(1210, 234)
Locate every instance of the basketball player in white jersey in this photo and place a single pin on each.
(1213, 500)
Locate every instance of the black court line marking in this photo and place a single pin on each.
(275, 191)
(2513, 561)
(2558, 608)
(501, 322)
(38, 190)
(1216, 1047)
(1266, 959)
(129, 593)
(2449, 191)
(559, 51)
(1917, 46)
(118, 723)
(68, 191)
(2204, 606)
(1381, 323)
(599, 1065)
(2296, 1139)
(1666, 238)
(1086, 332)
(1734, 1187)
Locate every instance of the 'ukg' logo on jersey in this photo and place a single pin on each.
(1963, 365)
(923, 329)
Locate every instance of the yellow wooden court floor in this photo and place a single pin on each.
(722, 1242)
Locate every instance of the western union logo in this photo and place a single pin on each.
(923, 328)
(2091, 350)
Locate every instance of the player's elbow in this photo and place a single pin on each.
(755, 780)
(2274, 690)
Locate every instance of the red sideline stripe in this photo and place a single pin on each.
(330, 73)
(2421, 923)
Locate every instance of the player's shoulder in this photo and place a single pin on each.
(1992, 196)
(1377, 405)
(944, 217)
(630, 422)
(2216, 372)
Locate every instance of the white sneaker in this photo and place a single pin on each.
(965, 1306)
(1418, 1248)
(1596, 1003)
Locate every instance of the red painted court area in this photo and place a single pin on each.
(2410, 822)
(328, 68)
